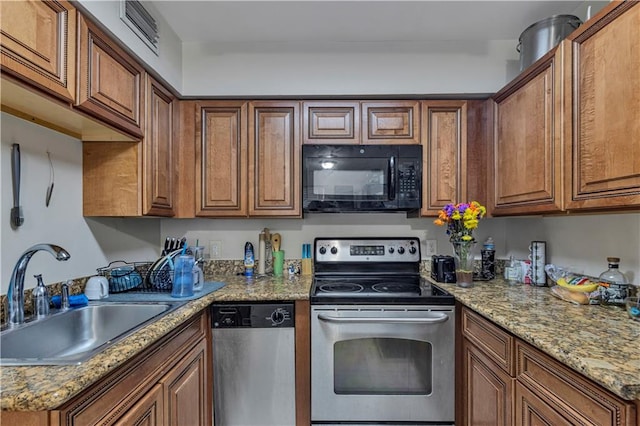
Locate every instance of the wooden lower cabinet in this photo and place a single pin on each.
(164, 385)
(530, 388)
(184, 388)
(531, 410)
(487, 395)
(148, 411)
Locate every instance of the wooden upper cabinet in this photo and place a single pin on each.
(528, 141)
(603, 161)
(444, 154)
(274, 158)
(331, 122)
(111, 82)
(38, 44)
(221, 158)
(135, 178)
(159, 159)
(391, 122)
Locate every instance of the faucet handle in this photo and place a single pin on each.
(64, 299)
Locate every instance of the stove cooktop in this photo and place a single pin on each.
(379, 290)
(368, 270)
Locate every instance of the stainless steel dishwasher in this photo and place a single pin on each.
(253, 364)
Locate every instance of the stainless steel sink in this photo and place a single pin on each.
(74, 336)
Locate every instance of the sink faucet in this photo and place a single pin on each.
(15, 295)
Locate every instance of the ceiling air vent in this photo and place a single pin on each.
(133, 13)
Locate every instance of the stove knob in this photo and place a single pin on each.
(323, 250)
(277, 317)
(334, 250)
(391, 250)
(412, 250)
(400, 250)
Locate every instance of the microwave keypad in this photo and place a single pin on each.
(407, 181)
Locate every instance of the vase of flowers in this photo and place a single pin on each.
(461, 220)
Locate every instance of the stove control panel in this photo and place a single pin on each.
(330, 250)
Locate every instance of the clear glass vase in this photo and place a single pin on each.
(463, 255)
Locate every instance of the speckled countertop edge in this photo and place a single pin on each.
(600, 342)
(38, 388)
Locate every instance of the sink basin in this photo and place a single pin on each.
(74, 336)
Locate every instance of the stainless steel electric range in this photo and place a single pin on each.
(382, 338)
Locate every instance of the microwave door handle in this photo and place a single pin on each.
(368, 320)
(392, 178)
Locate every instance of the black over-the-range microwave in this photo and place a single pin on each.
(361, 178)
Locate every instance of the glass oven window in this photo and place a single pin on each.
(351, 183)
(347, 179)
(382, 366)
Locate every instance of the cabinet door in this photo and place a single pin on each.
(444, 134)
(38, 44)
(331, 122)
(158, 163)
(394, 122)
(186, 394)
(149, 411)
(573, 396)
(604, 157)
(487, 389)
(533, 411)
(110, 81)
(221, 159)
(527, 147)
(274, 158)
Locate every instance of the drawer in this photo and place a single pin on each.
(492, 340)
(576, 398)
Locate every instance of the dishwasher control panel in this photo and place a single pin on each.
(252, 315)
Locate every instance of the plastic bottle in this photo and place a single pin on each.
(249, 259)
(488, 254)
(40, 299)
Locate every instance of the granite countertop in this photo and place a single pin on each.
(38, 388)
(600, 342)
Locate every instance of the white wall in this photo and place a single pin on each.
(168, 62)
(296, 69)
(581, 243)
(92, 243)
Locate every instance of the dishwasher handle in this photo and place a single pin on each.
(383, 320)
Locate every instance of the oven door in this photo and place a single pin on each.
(382, 364)
(349, 178)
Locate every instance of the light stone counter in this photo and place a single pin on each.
(36, 388)
(600, 342)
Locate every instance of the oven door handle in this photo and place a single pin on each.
(378, 320)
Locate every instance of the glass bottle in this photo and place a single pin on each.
(613, 274)
(614, 287)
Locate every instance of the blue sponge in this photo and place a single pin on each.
(74, 301)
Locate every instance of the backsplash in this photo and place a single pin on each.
(211, 268)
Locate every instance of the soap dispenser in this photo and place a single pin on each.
(40, 299)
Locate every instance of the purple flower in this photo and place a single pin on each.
(449, 208)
